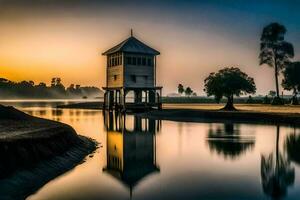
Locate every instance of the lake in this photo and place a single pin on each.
(148, 159)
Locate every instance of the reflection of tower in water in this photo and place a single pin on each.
(131, 148)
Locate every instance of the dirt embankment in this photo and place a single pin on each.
(33, 151)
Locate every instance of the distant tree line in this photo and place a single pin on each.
(29, 90)
(186, 91)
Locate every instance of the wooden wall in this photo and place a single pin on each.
(144, 76)
(111, 73)
(129, 75)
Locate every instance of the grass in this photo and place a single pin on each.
(242, 107)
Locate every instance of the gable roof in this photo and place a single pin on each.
(132, 45)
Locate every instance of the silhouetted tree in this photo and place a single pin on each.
(266, 100)
(272, 93)
(275, 52)
(42, 90)
(57, 87)
(250, 99)
(43, 85)
(276, 173)
(188, 91)
(180, 89)
(291, 80)
(71, 88)
(228, 82)
(71, 91)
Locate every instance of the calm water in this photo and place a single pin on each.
(146, 159)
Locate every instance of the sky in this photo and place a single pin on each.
(41, 39)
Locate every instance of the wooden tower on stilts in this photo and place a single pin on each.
(131, 77)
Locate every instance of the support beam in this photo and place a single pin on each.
(115, 98)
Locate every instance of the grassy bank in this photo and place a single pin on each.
(211, 100)
(198, 115)
(289, 109)
(248, 113)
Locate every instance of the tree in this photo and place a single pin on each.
(291, 80)
(266, 100)
(228, 82)
(188, 91)
(250, 99)
(71, 90)
(57, 87)
(272, 93)
(180, 88)
(275, 52)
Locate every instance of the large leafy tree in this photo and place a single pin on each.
(229, 82)
(274, 50)
(291, 79)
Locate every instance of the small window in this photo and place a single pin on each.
(144, 61)
(120, 57)
(133, 78)
(115, 61)
(115, 77)
(134, 61)
(128, 61)
(139, 61)
(149, 62)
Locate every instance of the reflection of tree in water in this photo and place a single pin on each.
(292, 146)
(276, 173)
(228, 141)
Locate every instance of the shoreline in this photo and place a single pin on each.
(33, 151)
(218, 116)
(26, 181)
(97, 105)
(247, 113)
